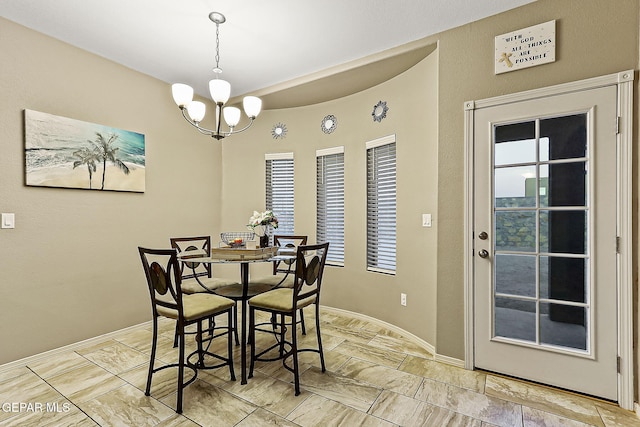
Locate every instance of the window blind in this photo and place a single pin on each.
(330, 202)
(381, 205)
(279, 189)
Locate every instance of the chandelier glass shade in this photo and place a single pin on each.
(194, 111)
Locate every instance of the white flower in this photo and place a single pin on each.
(262, 218)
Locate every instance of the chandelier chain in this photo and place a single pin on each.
(217, 46)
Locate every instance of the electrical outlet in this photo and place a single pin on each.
(403, 299)
(426, 220)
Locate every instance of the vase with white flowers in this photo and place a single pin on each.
(259, 224)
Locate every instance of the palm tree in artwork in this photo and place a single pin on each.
(87, 157)
(106, 151)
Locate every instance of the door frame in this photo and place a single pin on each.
(624, 82)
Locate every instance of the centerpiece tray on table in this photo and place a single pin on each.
(241, 254)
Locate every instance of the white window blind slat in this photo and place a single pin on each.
(279, 190)
(381, 205)
(330, 202)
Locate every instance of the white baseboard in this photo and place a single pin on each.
(450, 360)
(416, 340)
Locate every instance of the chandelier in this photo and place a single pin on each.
(194, 111)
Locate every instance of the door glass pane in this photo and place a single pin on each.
(515, 143)
(567, 137)
(563, 279)
(515, 231)
(514, 152)
(516, 275)
(563, 325)
(563, 232)
(563, 184)
(541, 202)
(515, 319)
(515, 187)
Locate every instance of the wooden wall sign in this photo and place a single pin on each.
(526, 48)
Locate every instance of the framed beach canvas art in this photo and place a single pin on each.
(68, 153)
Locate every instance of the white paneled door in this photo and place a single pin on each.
(544, 240)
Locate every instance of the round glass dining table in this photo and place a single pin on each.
(238, 292)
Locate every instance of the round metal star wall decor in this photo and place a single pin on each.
(279, 131)
(329, 124)
(379, 111)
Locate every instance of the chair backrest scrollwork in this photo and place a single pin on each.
(310, 262)
(288, 242)
(162, 272)
(197, 247)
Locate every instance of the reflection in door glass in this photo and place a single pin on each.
(563, 279)
(563, 232)
(515, 186)
(541, 258)
(544, 149)
(563, 325)
(515, 319)
(563, 184)
(516, 275)
(515, 231)
(515, 143)
(515, 152)
(567, 137)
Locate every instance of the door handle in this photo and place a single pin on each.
(483, 253)
(483, 235)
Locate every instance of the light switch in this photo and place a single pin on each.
(426, 220)
(8, 220)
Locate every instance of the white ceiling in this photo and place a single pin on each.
(262, 44)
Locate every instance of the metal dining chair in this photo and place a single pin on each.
(198, 277)
(284, 271)
(197, 246)
(285, 304)
(163, 275)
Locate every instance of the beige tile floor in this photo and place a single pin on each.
(374, 377)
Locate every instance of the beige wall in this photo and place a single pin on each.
(594, 38)
(73, 252)
(70, 269)
(412, 101)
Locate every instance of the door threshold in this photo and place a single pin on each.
(551, 388)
